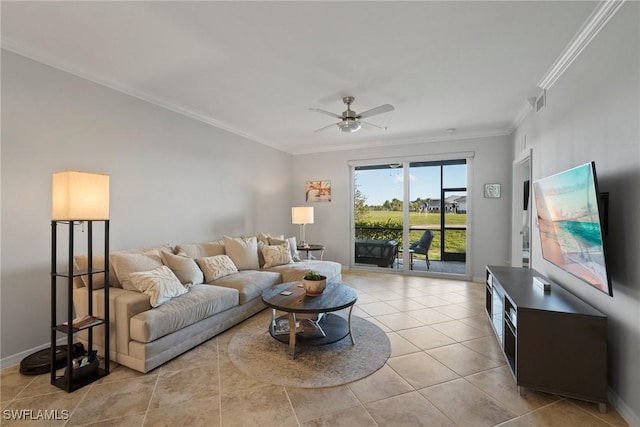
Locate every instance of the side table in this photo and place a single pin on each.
(312, 248)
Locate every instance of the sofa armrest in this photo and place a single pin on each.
(123, 305)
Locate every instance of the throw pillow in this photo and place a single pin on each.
(243, 251)
(185, 268)
(82, 263)
(276, 255)
(126, 263)
(217, 266)
(263, 237)
(199, 250)
(160, 284)
(292, 244)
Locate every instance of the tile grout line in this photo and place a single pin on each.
(153, 392)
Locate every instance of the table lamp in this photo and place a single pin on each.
(302, 215)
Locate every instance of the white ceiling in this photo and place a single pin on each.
(255, 68)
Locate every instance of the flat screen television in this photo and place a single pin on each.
(571, 226)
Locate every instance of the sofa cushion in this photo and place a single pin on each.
(160, 284)
(127, 263)
(249, 283)
(295, 271)
(215, 267)
(243, 251)
(184, 268)
(201, 302)
(276, 254)
(82, 263)
(199, 250)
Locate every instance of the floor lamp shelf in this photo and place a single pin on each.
(77, 373)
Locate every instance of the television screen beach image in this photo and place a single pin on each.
(569, 224)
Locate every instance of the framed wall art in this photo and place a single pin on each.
(318, 191)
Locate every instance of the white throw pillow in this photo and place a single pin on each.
(185, 268)
(160, 284)
(126, 263)
(276, 255)
(243, 251)
(215, 267)
(292, 245)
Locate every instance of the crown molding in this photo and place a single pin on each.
(592, 26)
(524, 112)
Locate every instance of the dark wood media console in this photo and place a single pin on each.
(553, 342)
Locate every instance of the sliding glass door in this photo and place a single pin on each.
(413, 210)
(378, 214)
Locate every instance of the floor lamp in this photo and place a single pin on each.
(78, 197)
(302, 215)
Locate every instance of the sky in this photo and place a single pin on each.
(379, 185)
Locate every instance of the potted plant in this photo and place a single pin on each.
(314, 283)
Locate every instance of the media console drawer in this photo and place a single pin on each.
(552, 341)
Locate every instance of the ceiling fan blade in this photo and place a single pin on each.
(325, 127)
(378, 110)
(370, 125)
(317, 110)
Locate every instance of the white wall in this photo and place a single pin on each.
(593, 113)
(491, 217)
(173, 179)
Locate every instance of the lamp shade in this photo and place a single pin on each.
(302, 215)
(80, 196)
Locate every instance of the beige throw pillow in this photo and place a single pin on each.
(82, 263)
(215, 267)
(185, 268)
(126, 263)
(263, 237)
(199, 250)
(243, 251)
(160, 284)
(292, 245)
(276, 255)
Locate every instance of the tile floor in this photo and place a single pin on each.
(445, 370)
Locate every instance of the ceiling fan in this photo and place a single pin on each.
(350, 121)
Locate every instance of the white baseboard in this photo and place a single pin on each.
(623, 409)
(15, 359)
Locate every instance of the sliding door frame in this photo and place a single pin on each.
(406, 161)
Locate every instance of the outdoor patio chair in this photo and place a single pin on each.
(422, 246)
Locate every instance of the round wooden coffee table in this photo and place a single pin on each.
(309, 320)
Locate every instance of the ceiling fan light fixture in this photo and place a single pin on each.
(350, 126)
(350, 120)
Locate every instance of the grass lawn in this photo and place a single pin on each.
(455, 240)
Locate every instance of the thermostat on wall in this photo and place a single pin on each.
(492, 190)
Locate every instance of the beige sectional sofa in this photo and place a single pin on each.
(143, 337)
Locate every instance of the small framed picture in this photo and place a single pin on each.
(318, 191)
(492, 191)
